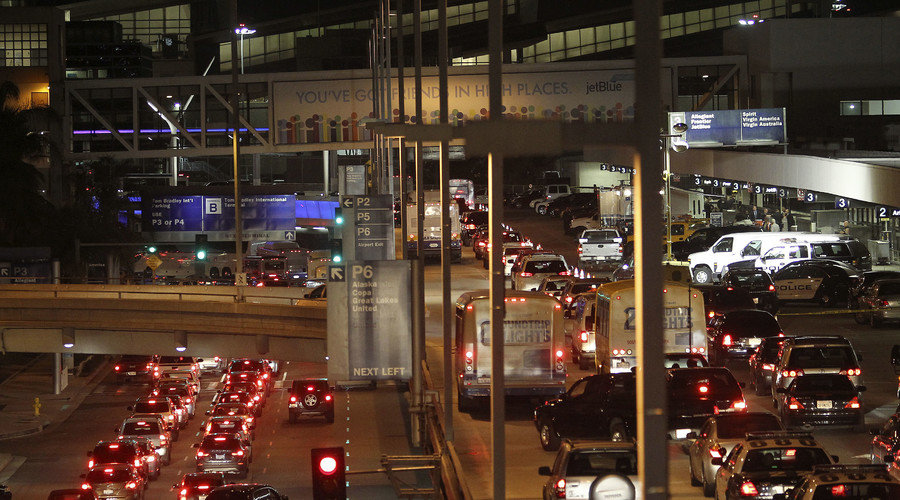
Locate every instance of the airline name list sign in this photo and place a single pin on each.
(336, 110)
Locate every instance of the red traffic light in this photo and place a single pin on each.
(328, 473)
(328, 465)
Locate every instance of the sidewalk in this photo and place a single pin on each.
(17, 416)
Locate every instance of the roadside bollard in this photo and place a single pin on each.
(37, 407)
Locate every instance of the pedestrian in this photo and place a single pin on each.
(774, 227)
(755, 213)
(788, 218)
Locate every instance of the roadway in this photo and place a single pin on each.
(368, 423)
(523, 450)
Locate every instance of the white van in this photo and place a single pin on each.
(707, 267)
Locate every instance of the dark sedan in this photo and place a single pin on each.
(826, 282)
(718, 300)
(698, 393)
(821, 399)
(757, 283)
(865, 281)
(739, 333)
(762, 364)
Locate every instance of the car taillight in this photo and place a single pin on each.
(85, 486)
(726, 340)
(852, 372)
(117, 368)
(170, 417)
(748, 489)
(739, 405)
(793, 404)
(885, 303)
(584, 336)
(791, 373)
(561, 488)
(526, 274)
(771, 288)
(569, 299)
(162, 439)
(200, 454)
(202, 486)
(131, 485)
(767, 366)
(151, 457)
(853, 403)
(293, 399)
(184, 492)
(239, 453)
(711, 314)
(703, 389)
(580, 250)
(137, 462)
(187, 401)
(714, 453)
(328, 397)
(256, 398)
(563, 273)
(90, 463)
(481, 243)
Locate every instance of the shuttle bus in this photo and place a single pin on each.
(616, 322)
(534, 347)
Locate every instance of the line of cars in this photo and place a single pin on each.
(122, 468)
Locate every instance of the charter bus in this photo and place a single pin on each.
(616, 322)
(463, 189)
(534, 347)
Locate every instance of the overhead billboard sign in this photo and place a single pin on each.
(378, 324)
(336, 110)
(178, 218)
(732, 127)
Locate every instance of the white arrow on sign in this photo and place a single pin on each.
(337, 274)
(347, 202)
(4, 271)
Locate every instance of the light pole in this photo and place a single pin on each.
(243, 30)
(677, 143)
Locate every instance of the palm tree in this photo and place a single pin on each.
(23, 210)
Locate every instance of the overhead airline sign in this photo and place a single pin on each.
(732, 127)
(336, 110)
(177, 218)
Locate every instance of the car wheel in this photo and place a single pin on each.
(617, 431)
(709, 488)
(550, 441)
(694, 480)
(542, 210)
(702, 275)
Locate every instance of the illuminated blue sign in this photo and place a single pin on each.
(733, 127)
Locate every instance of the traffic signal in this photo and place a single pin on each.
(328, 473)
(151, 249)
(338, 216)
(201, 246)
(337, 247)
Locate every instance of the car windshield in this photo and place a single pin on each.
(246, 365)
(100, 475)
(553, 285)
(822, 357)
(155, 406)
(751, 324)
(747, 279)
(599, 236)
(583, 287)
(784, 459)
(822, 383)
(220, 443)
(217, 426)
(230, 409)
(857, 491)
(140, 427)
(545, 266)
(736, 426)
(118, 453)
(602, 462)
(685, 361)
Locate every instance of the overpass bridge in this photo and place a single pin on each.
(152, 319)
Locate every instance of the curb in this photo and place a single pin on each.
(24, 432)
(5, 459)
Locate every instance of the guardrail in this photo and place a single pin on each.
(454, 481)
(256, 295)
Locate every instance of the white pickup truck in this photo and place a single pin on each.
(599, 246)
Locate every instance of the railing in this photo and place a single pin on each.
(452, 477)
(261, 295)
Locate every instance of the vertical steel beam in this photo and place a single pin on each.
(447, 307)
(419, 266)
(651, 394)
(497, 278)
(401, 144)
(236, 151)
(388, 86)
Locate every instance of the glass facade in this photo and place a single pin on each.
(148, 26)
(23, 45)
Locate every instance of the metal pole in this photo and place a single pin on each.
(401, 144)
(242, 53)
(668, 173)
(376, 107)
(498, 280)
(388, 86)
(236, 123)
(651, 392)
(447, 306)
(419, 266)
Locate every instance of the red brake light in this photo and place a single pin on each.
(328, 397)
(711, 314)
(219, 439)
(184, 492)
(85, 486)
(703, 389)
(526, 274)
(90, 463)
(748, 489)
(584, 336)
(714, 453)
(200, 454)
(162, 439)
(739, 405)
(117, 368)
(885, 303)
(793, 404)
(561, 488)
(137, 462)
(310, 388)
(853, 403)
(771, 288)
(293, 399)
(564, 273)
(726, 340)
(239, 453)
(767, 366)
(200, 487)
(852, 372)
(131, 485)
(559, 353)
(838, 490)
(569, 299)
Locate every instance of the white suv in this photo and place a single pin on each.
(535, 268)
(551, 192)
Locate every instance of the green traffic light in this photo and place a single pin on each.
(339, 220)
(201, 254)
(151, 249)
(336, 258)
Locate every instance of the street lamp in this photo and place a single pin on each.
(676, 143)
(243, 30)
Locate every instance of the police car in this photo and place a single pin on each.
(851, 482)
(824, 281)
(766, 464)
